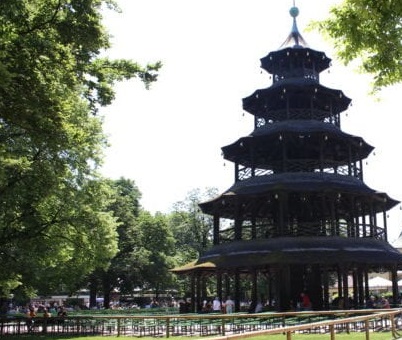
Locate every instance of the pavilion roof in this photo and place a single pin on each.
(302, 250)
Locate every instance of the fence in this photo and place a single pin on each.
(223, 326)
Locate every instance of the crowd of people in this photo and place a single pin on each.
(208, 305)
(37, 310)
(43, 313)
(215, 305)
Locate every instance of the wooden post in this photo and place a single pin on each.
(167, 327)
(223, 326)
(332, 331)
(393, 329)
(395, 289)
(237, 292)
(367, 329)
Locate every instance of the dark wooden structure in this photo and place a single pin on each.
(301, 214)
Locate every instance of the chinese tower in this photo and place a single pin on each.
(299, 213)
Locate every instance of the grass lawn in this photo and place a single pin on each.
(351, 336)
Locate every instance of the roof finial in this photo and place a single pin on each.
(294, 37)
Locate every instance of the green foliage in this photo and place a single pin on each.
(64, 235)
(158, 243)
(146, 246)
(55, 219)
(370, 32)
(192, 229)
(123, 272)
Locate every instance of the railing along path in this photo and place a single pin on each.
(222, 326)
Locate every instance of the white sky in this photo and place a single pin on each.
(168, 139)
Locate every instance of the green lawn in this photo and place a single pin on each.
(351, 336)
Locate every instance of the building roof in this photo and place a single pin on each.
(302, 250)
(299, 90)
(338, 143)
(296, 182)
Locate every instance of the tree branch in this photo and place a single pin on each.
(42, 24)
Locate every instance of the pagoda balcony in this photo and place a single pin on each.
(310, 229)
(305, 165)
(300, 72)
(273, 116)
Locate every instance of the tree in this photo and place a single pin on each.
(123, 272)
(64, 233)
(192, 229)
(371, 32)
(146, 248)
(54, 226)
(157, 240)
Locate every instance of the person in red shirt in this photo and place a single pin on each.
(305, 301)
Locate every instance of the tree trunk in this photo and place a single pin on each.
(93, 288)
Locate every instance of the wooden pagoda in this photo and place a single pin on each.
(300, 213)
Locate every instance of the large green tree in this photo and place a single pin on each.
(54, 224)
(145, 248)
(370, 32)
(158, 242)
(123, 273)
(192, 230)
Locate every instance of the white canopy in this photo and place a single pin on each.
(379, 281)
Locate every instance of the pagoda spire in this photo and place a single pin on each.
(294, 39)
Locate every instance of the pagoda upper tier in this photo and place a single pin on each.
(296, 92)
(296, 98)
(295, 62)
(297, 136)
(308, 145)
(294, 59)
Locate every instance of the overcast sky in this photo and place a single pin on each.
(168, 139)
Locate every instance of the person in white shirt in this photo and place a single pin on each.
(216, 305)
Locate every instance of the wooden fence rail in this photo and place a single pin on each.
(369, 323)
(222, 326)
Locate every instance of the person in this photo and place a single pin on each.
(183, 306)
(216, 305)
(258, 307)
(62, 312)
(154, 303)
(371, 303)
(385, 303)
(206, 306)
(46, 313)
(305, 301)
(30, 315)
(229, 305)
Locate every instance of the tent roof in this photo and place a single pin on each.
(193, 266)
(379, 281)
